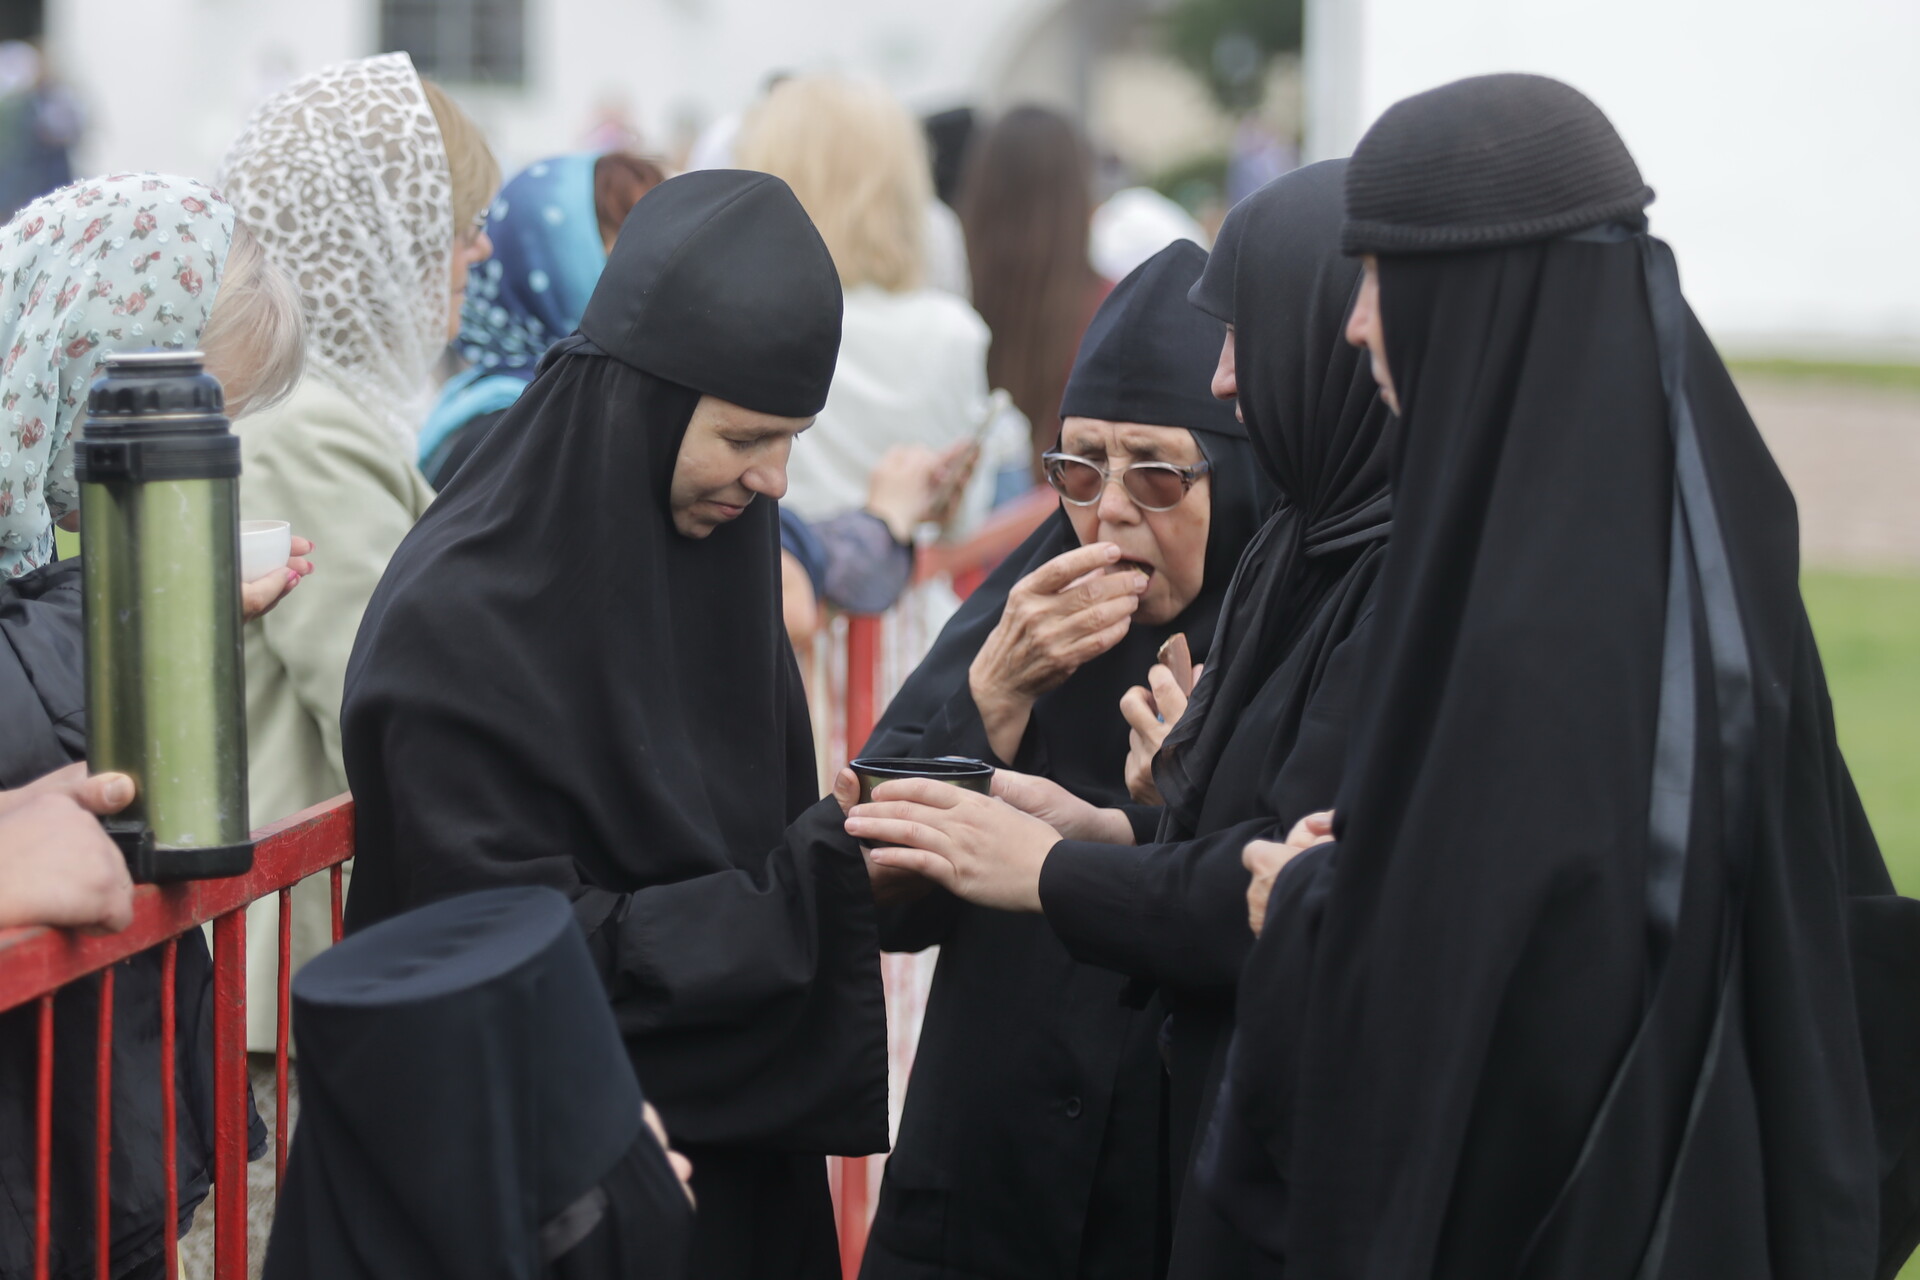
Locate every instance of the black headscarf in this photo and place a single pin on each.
(1571, 994)
(554, 686)
(1318, 429)
(467, 1108)
(1147, 357)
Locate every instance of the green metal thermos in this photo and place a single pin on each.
(159, 475)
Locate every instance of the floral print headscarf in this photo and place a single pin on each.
(124, 263)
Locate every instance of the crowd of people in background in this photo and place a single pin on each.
(1417, 843)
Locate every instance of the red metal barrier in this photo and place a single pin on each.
(36, 963)
(863, 678)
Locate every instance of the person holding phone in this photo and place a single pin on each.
(1030, 1141)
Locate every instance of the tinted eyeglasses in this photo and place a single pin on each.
(1153, 486)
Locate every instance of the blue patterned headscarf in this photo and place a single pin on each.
(547, 256)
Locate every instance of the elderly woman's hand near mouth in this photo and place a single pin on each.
(1062, 615)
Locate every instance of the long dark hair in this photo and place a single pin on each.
(1026, 204)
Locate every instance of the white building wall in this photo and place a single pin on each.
(1780, 137)
(170, 81)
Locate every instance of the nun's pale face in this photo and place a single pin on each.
(1170, 546)
(728, 457)
(1364, 330)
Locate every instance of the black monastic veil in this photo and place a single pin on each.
(1465, 1049)
(553, 686)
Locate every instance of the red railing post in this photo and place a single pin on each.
(333, 893)
(229, 1096)
(863, 694)
(170, 1086)
(103, 1132)
(43, 1143)
(283, 1014)
(863, 670)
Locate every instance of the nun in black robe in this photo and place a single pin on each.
(1264, 740)
(1030, 1142)
(553, 686)
(467, 1109)
(1604, 975)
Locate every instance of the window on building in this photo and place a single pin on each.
(459, 41)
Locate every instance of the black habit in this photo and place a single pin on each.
(1264, 740)
(1572, 996)
(467, 1109)
(553, 686)
(1030, 1146)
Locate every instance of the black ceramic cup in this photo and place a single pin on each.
(961, 771)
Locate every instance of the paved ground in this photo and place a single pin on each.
(1852, 455)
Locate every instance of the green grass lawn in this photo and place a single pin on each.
(1869, 632)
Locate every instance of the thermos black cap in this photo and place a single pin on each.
(156, 415)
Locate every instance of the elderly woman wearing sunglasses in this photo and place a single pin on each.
(1023, 1047)
(1140, 488)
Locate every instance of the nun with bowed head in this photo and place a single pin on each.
(125, 263)
(1030, 1141)
(1603, 974)
(645, 749)
(366, 185)
(1159, 894)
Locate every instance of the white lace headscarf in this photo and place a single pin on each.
(343, 177)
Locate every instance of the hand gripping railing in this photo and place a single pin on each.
(36, 963)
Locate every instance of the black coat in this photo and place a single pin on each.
(42, 703)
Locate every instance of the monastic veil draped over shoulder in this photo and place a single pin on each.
(1584, 985)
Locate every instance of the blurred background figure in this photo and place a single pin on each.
(614, 127)
(1026, 202)
(551, 228)
(1133, 224)
(913, 366)
(368, 186)
(40, 124)
(948, 133)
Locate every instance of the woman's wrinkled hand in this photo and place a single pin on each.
(1151, 712)
(1059, 808)
(1062, 615)
(976, 847)
(258, 597)
(1264, 859)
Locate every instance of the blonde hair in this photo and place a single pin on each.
(256, 335)
(470, 161)
(858, 162)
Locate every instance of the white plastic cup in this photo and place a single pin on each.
(265, 545)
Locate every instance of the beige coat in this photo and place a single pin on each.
(343, 480)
